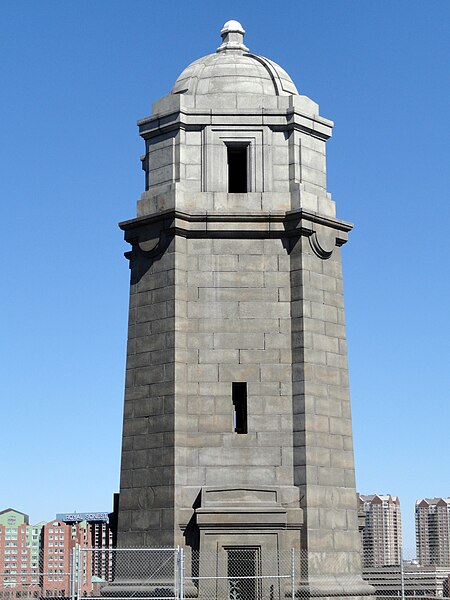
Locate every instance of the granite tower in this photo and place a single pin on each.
(237, 426)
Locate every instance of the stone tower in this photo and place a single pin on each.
(237, 427)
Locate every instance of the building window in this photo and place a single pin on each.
(237, 160)
(239, 397)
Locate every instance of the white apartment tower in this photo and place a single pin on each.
(382, 533)
(433, 531)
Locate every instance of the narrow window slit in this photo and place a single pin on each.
(239, 397)
(237, 168)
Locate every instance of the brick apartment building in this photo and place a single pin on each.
(37, 560)
(58, 543)
(20, 545)
(100, 537)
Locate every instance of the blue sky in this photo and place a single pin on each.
(75, 78)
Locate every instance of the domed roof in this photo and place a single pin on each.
(234, 70)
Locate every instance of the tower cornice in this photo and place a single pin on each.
(149, 233)
(297, 217)
(286, 113)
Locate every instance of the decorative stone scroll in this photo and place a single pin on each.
(323, 241)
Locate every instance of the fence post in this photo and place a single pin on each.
(402, 573)
(181, 573)
(293, 572)
(177, 572)
(72, 574)
(78, 569)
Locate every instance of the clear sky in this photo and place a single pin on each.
(75, 77)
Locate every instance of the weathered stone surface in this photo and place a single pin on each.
(239, 287)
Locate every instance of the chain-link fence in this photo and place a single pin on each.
(228, 573)
(241, 573)
(36, 574)
(234, 573)
(399, 573)
(133, 572)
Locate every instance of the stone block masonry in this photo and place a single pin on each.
(237, 427)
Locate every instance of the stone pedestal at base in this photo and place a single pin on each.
(335, 586)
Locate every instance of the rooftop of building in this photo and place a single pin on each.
(13, 517)
(424, 502)
(380, 498)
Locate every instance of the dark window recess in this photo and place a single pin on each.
(237, 168)
(239, 396)
(243, 571)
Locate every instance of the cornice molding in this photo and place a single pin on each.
(147, 233)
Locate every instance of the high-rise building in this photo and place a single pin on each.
(100, 539)
(39, 560)
(58, 542)
(20, 545)
(433, 531)
(382, 532)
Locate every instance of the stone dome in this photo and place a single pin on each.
(234, 70)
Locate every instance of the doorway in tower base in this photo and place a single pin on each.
(234, 571)
(243, 572)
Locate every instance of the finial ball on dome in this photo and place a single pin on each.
(232, 26)
(232, 38)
